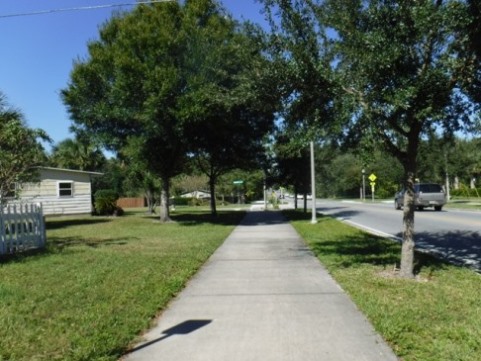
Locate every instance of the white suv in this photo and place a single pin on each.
(425, 195)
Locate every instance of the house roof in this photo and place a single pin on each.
(72, 171)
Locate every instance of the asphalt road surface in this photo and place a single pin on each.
(451, 234)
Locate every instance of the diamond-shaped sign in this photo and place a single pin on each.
(372, 177)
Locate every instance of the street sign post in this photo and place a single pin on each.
(372, 178)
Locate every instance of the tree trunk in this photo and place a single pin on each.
(295, 198)
(305, 202)
(407, 252)
(213, 208)
(149, 196)
(164, 201)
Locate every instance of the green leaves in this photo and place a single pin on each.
(20, 149)
(80, 154)
(180, 79)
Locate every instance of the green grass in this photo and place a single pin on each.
(464, 203)
(100, 282)
(435, 318)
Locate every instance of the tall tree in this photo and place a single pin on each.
(292, 165)
(134, 82)
(20, 149)
(138, 177)
(401, 66)
(231, 107)
(78, 154)
(473, 52)
(400, 70)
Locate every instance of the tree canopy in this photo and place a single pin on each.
(78, 154)
(176, 80)
(20, 149)
(397, 72)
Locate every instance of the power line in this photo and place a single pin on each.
(94, 7)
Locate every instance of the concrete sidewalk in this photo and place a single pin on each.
(262, 296)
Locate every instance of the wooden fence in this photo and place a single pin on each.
(131, 202)
(22, 227)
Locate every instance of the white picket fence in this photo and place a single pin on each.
(22, 227)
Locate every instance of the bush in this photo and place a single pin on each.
(465, 192)
(179, 201)
(106, 203)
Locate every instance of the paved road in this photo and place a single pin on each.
(452, 234)
(262, 296)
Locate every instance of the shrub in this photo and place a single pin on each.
(179, 201)
(466, 192)
(106, 202)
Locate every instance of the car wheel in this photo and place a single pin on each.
(397, 205)
(438, 208)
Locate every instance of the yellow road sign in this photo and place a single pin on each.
(372, 177)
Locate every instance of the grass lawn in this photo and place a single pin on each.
(464, 203)
(100, 282)
(435, 318)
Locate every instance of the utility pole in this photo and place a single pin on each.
(313, 186)
(363, 184)
(448, 192)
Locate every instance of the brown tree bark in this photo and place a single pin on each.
(164, 201)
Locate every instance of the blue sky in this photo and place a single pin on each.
(37, 53)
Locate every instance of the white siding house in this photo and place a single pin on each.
(60, 191)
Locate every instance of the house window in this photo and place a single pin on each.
(65, 189)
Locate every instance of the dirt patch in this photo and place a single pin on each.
(394, 273)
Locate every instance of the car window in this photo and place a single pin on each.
(430, 188)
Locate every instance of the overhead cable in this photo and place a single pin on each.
(93, 7)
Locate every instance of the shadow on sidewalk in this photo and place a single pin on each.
(183, 328)
(261, 218)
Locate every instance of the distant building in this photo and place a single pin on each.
(196, 194)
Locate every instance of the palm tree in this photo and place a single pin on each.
(20, 150)
(77, 154)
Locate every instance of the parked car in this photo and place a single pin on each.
(425, 195)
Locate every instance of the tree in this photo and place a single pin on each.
(20, 149)
(137, 175)
(463, 161)
(188, 183)
(176, 80)
(399, 70)
(114, 176)
(304, 86)
(292, 164)
(131, 87)
(77, 154)
(472, 70)
(231, 107)
(401, 66)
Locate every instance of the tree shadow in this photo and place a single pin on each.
(359, 249)
(341, 212)
(56, 245)
(462, 248)
(59, 243)
(296, 215)
(193, 218)
(365, 248)
(57, 223)
(264, 218)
